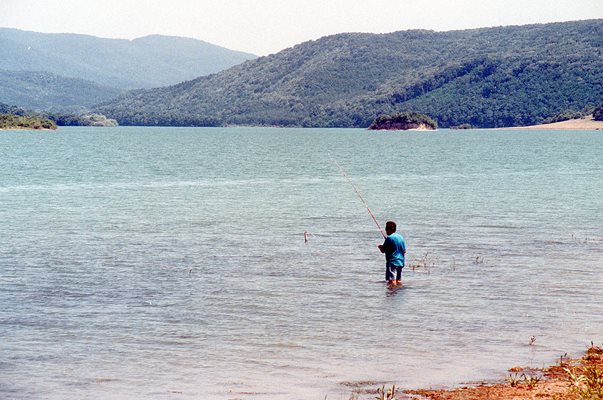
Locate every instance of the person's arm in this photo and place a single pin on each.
(383, 247)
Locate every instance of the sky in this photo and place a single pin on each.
(263, 27)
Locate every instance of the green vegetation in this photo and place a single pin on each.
(12, 121)
(46, 91)
(565, 116)
(60, 119)
(462, 126)
(405, 120)
(82, 120)
(586, 384)
(8, 109)
(529, 380)
(146, 62)
(598, 113)
(70, 73)
(491, 77)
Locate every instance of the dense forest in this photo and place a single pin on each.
(12, 121)
(598, 113)
(47, 91)
(490, 77)
(81, 119)
(403, 121)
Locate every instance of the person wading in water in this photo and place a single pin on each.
(394, 249)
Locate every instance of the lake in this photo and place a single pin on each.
(170, 263)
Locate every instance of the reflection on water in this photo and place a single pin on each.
(153, 263)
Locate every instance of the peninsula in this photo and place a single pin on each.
(11, 121)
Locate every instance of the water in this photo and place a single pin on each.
(164, 263)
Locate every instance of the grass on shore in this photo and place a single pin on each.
(570, 379)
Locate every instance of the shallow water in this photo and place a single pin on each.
(165, 263)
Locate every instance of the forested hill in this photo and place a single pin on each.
(47, 91)
(145, 62)
(489, 77)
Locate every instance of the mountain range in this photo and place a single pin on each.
(488, 77)
(42, 70)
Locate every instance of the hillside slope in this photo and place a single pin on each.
(487, 77)
(47, 91)
(146, 62)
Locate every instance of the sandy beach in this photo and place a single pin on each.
(586, 123)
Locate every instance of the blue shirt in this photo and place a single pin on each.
(395, 248)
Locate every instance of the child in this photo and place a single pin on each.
(394, 249)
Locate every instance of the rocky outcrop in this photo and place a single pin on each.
(404, 121)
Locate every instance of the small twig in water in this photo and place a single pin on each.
(479, 260)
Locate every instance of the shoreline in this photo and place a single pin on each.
(566, 379)
(586, 123)
(20, 128)
(563, 380)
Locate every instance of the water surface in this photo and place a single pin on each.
(164, 263)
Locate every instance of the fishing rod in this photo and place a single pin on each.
(359, 195)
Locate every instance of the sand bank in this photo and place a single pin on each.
(586, 123)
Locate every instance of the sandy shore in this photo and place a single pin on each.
(586, 123)
(569, 379)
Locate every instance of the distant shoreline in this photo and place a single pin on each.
(20, 128)
(586, 123)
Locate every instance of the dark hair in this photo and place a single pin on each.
(390, 224)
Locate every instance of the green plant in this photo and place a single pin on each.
(386, 394)
(586, 384)
(531, 380)
(514, 379)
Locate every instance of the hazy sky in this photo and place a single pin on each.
(267, 26)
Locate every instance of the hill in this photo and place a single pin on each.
(47, 91)
(504, 76)
(146, 62)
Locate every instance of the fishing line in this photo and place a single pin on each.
(358, 194)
